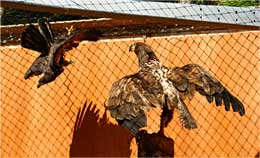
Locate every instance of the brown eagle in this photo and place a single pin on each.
(156, 85)
(52, 50)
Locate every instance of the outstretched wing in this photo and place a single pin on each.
(191, 78)
(38, 39)
(58, 50)
(128, 100)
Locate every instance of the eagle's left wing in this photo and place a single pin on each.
(191, 78)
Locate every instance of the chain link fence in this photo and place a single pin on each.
(68, 117)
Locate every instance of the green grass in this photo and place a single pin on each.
(238, 3)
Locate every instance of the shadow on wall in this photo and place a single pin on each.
(93, 138)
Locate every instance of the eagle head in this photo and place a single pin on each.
(139, 47)
(143, 52)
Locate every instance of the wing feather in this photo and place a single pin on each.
(127, 91)
(129, 100)
(34, 40)
(46, 31)
(58, 51)
(192, 75)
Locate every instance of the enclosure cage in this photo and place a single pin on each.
(68, 116)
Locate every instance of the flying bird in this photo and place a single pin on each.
(156, 85)
(51, 61)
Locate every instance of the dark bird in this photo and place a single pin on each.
(51, 60)
(156, 85)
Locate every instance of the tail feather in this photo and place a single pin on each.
(185, 116)
(130, 116)
(134, 124)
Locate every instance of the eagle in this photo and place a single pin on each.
(156, 85)
(51, 61)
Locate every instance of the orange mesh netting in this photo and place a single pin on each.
(40, 122)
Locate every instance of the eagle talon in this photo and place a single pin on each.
(66, 62)
(69, 30)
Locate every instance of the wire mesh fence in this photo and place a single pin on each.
(39, 122)
(68, 116)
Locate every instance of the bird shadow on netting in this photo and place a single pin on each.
(96, 137)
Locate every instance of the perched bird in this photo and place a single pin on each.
(51, 60)
(156, 85)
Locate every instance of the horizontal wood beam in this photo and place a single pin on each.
(126, 18)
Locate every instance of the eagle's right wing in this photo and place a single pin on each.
(129, 99)
(58, 49)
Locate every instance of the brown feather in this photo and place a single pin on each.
(37, 68)
(155, 85)
(128, 100)
(57, 52)
(208, 86)
(52, 58)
